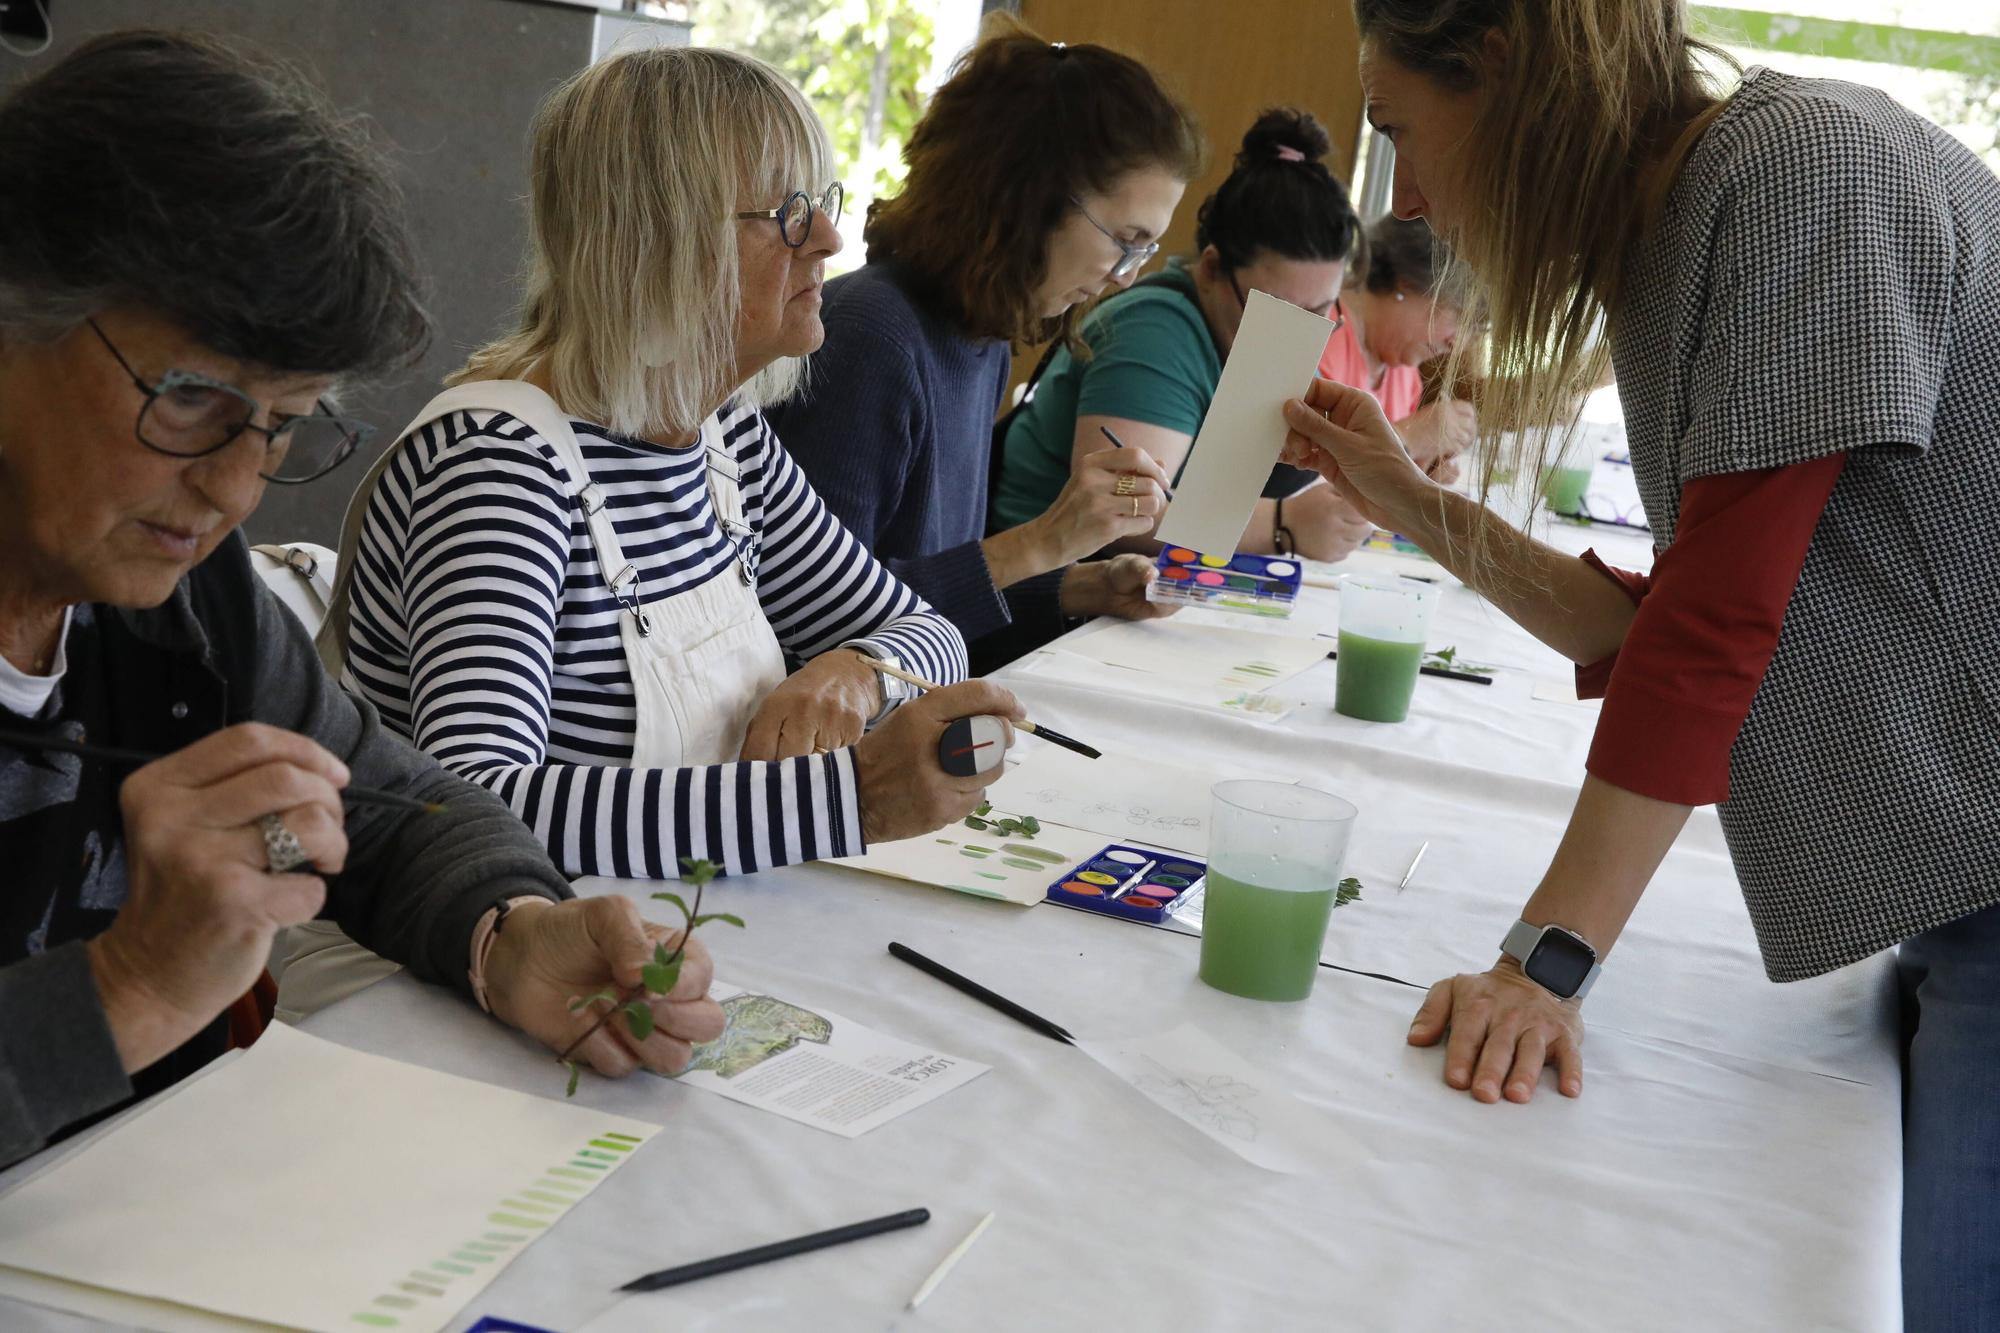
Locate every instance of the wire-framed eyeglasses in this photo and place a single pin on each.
(1131, 257)
(186, 415)
(795, 216)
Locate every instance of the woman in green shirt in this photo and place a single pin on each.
(1281, 224)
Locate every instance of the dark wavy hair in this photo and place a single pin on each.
(211, 186)
(1279, 197)
(1403, 253)
(1021, 128)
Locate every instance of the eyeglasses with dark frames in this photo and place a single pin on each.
(186, 415)
(795, 216)
(1131, 257)
(1243, 299)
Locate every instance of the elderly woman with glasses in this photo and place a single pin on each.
(1041, 175)
(161, 360)
(590, 579)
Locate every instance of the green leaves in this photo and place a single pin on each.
(1447, 659)
(639, 1018)
(575, 1073)
(1007, 826)
(584, 1002)
(677, 901)
(1346, 892)
(698, 873)
(728, 918)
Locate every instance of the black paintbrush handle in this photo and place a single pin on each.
(784, 1249)
(111, 754)
(1026, 1017)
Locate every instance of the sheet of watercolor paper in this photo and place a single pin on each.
(312, 1186)
(1198, 656)
(1012, 867)
(816, 1067)
(1196, 1079)
(1274, 357)
(1117, 797)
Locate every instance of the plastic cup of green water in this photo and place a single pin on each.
(1563, 488)
(1274, 860)
(1383, 623)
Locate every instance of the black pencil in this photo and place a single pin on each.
(784, 1249)
(23, 740)
(1447, 673)
(1025, 1017)
(1117, 443)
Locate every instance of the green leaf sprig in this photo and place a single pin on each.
(655, 978)
(1347, 891)
(1447, 658)
(983, 820)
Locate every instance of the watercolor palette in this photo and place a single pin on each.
(1258, 585)
(1131, 882)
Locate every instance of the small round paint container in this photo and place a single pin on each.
(1126, 858)
(1182, 555)
(1077, 886)
(1098, 877)
(1208, 578)
(1176, 574)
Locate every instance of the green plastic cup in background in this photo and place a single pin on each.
(1383, 622)
(1563, 488)
(1275, 853)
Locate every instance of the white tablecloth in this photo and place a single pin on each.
(1733, 1163)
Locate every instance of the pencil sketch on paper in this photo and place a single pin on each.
(1137, 815)
(1214, 1102)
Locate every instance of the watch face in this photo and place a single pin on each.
(1560, 962)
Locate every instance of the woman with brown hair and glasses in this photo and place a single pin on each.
(1801, 284)
(1041, 175)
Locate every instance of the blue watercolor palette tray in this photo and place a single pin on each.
(1131, 882)
(1258, 585)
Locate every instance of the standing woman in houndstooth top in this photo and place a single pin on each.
(1801, 283)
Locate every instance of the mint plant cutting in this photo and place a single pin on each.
(655, 978)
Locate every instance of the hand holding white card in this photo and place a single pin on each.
(1274, 357)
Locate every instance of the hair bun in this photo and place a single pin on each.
(1283, 128)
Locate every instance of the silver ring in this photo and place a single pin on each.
(281, 846)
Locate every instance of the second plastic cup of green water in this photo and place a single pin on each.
(1274, 858)
(1383, 621)
(1563, 487)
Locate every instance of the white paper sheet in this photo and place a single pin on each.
(1012, 867)
(1196, 1079)
(1202, 657)
(312, 1186)
(1119, 798)
(1274, 357)
(818, 1068)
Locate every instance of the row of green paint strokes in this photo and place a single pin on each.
(524, 1213)
(1018, 855)
(1964, 53)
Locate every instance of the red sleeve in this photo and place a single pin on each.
(1681, 684)
(1594, 679)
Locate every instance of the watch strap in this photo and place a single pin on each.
(1520, 946)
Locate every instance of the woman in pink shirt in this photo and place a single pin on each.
(1395, 323)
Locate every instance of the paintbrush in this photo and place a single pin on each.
(1048, 734)
(22, 740)
(1136, 880)
(1117, 443)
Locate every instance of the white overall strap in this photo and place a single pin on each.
(725, 495)
(310, 569)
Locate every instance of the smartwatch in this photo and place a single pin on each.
(1560, 961)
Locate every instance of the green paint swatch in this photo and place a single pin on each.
(571, 1172)
(486, 1245)
(378, 1320)
(588, 1165)
(506, 1239)
(472, 1256)
(562, 1185)
(513, 1220)
(1019, 864)
(396, 1302)
(599, 1156)
(447, 1266)
(525, 1206)
(547, 1197)
(420, 1288)
(622, 1138)
(611, 1144)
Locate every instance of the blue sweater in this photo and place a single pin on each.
(894, 430)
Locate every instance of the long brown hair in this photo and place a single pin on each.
(1020, 129)
(1597, 98)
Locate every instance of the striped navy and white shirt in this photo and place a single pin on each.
(483, 631)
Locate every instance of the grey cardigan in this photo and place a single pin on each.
(220, 651)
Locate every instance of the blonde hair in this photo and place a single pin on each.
(640, 163)
(1598, 96)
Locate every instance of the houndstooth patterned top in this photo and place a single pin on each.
(1826, 276)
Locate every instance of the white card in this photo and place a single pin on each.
(316, 1187)
(1196, 1079)
(1274, 357)
(1013, 867)
(1119, 798)
(816, 1067)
